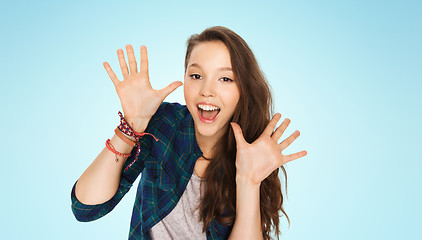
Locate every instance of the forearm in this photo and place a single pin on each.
(101, 179)
(247, 224)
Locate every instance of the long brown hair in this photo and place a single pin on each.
(253, 113)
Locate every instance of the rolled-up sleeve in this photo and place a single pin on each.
(86, 213)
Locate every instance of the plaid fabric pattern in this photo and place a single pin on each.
(166, 167)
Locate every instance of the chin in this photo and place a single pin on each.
(210, 131)
(206, 132)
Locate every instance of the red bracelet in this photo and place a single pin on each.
(144, 133)
(113, 150)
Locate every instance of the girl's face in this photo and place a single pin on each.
(211, 93)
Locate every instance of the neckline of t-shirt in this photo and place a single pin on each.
(196, 175)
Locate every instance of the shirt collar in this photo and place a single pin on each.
(187, 133)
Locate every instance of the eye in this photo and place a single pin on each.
(194, 76)
(226, 79)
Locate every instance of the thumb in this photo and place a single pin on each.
(238, 135)
(170, 88)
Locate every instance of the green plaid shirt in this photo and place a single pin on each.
(166, 167)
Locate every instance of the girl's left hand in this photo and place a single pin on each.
(258, 160)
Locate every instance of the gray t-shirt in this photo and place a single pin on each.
(182, 222)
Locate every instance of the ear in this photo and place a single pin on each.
(238, 135)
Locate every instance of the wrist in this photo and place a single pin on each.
(246, 181)
(137, 125)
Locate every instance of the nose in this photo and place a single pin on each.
(208, 89)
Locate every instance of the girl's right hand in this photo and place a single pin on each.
(139, 100)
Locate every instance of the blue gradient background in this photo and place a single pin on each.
(347, 73)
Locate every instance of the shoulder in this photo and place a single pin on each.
(168, 118)
(170, 112)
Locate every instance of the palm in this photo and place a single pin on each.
(256, 161)
(134, 92)
(139, 100)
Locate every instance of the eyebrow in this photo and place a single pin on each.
(222, 68)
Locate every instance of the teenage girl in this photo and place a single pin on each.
(210, 167)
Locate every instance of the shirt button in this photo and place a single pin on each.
(208, 232)
(155, 176)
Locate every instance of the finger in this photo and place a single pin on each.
(280, 130)
(144, 61)
(271, 125)
(170, 88)
(238, 135)
(132, 60)
(111, 74)
(122, 63)
(294, 156)
(289, 140)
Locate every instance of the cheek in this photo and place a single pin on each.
(186, 90)
(190, 91)
(188, 97)
(231, 97)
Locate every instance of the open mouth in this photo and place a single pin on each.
(207, 112)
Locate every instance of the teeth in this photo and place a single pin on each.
(208, 107)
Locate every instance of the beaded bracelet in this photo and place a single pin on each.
(125, 128)
(113, 150)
